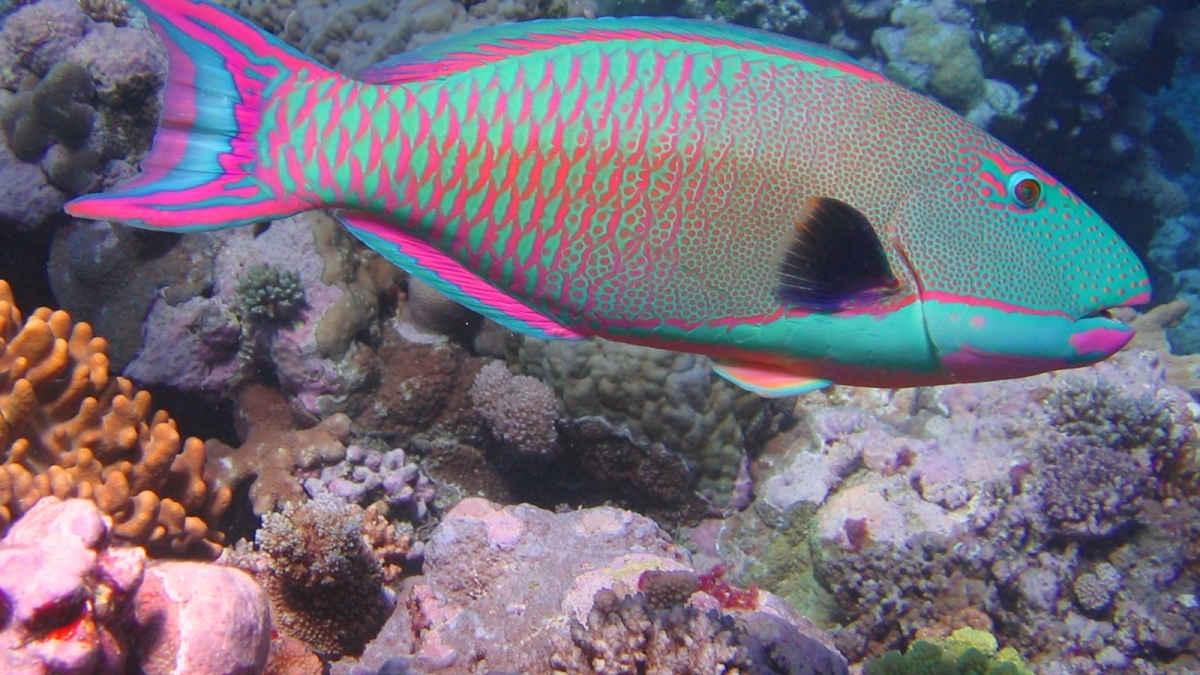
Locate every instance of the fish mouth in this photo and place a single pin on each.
(1098, 335)
(1105, 313)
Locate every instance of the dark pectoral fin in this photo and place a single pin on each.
(834, 259)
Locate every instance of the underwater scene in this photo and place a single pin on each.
(599, 337)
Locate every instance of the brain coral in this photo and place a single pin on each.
(70, 429)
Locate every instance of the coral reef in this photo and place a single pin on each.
(68, 428)
(75, 603)
(628, 635)
(55, 110)
(200, 618)
(932, 55)
(64, 592)
(1175, 249)
(276, 450)
(192, 337)
(540, 571)
(268, 294)
(349, 36)
(1183, 371)
(1030, 508)
(323, 563)
(642, 476)
(110, 275)
(366, 476)
(77, 104)
(674, 399)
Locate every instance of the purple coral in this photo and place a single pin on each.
(77, 101)
(369, 475)
(520, 410)
(1089, 490)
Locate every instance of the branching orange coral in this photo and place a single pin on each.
(70, 429)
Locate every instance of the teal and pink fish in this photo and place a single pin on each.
(681, 185)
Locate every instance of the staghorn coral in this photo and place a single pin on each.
(70, 429)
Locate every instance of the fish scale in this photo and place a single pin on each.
(690, 186)
(641, 170)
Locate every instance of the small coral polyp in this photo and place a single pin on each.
(68, 428)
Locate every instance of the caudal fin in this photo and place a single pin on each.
(205, 169)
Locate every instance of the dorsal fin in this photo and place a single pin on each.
(494, 43)
(834, 260)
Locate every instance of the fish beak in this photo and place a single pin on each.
(1098, 336)
(976, 342)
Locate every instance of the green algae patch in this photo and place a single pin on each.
(786, 568)
(967, 651)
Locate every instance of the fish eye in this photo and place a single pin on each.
(1025, 189)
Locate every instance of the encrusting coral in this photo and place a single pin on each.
(68, 428)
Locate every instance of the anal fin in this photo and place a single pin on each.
(448, 276)
(766, 380)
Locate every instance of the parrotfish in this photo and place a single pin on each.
(675, 184)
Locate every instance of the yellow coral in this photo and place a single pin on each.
(966, 638)
(70, 429)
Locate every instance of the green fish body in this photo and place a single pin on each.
(681, 185)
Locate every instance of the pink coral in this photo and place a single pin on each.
(63, 587)
(208, 620)
(71, 602)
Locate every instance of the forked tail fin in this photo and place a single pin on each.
(224, 98)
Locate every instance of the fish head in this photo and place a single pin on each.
(1015, 273)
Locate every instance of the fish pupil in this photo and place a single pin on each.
(1028, 191)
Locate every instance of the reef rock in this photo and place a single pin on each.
(504, 585)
